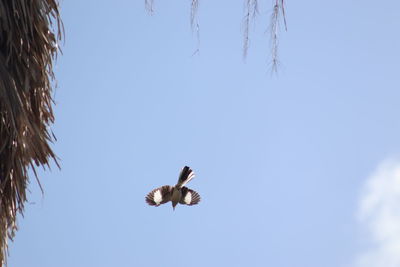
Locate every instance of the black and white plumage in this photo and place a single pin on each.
(176, 194)
(159, 195)
(189, 197)
(185, 176)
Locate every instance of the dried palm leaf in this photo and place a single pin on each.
(29, 36)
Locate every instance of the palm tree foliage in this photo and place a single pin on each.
(30, 31)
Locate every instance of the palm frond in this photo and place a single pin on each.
(251, 10)
(149, 5)
(193, 14)
(279, 8)
(30, 32)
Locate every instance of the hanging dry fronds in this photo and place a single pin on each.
(194, 23)
(29, 35)
(251, 10)
(279, 8)
(149, 5)
(193, 14)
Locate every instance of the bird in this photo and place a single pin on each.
(176, 194)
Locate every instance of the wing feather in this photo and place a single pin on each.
(159, 195)
(189, 197)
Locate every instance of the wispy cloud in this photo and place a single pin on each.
(379, 214)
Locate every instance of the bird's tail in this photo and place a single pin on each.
(185, 176)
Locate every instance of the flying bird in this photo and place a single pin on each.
(176, 194)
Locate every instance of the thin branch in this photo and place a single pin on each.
(148, 4)
(251, 11)
(193, 13)
(283, 13)
(274, 31)
(194, 23)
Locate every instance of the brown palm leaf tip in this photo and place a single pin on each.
(28, 46)
(183, 195)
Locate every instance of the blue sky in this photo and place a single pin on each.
(285, 164)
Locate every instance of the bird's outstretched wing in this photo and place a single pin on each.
(185, 176)
(189, 197)
(159, 195)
